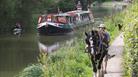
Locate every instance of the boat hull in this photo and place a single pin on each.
(52, 30)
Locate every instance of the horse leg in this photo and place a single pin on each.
(94, 70)
(94, 67)
(105, 63)
(106, 57)
(100, 66)
(95, 74)
(102, 72)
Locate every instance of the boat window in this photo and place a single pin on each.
(74, 20)
(49, 18)
(54, 19)
(68, 19)
(77, 18)
(41, 19)
(62, 19)
(85, 16)
(81, 17)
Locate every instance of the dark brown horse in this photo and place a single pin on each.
(96, 51)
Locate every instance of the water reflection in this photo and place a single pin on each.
(48, 49)
(52, 43)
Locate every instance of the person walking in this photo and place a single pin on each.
(105, 42)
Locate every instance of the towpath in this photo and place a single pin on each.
(114, 67)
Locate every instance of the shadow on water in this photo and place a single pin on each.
(16, 53)
(52, 43)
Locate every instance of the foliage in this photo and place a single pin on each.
(32, 71)
(110, 23)
(68, 61)
(66, 5)
(131, 40)
(46, 6)
(7, 13)
(21, 11)
(129, 19)
(13, 11)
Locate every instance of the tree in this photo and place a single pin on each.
(66, 5)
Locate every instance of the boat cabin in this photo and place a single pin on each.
(72, 17)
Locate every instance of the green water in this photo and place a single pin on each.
(16, 53)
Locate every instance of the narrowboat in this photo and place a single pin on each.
(63, 22)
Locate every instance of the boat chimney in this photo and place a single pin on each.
(59, 11)
(79, 6)
(88, 8)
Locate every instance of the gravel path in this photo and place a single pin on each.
(114, 67)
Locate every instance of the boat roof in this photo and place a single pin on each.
(72, 13)
(78, 12)
(62, 14)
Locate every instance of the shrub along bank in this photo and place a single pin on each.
(129, 19)
(130, 22)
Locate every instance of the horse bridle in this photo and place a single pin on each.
(91, 46)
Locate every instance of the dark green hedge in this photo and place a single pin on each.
(130, 22)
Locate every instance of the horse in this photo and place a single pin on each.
(96, 51)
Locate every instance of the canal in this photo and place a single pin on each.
(16, 53)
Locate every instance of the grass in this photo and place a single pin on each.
(68, 61)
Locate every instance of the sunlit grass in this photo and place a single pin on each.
(68, 61)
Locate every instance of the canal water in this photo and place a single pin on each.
(17, 53)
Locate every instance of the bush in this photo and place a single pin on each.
(111, 23)
(130, 22)
(68, 61)
(32, 71)
(129, 19)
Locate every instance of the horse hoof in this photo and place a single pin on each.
(105, 72)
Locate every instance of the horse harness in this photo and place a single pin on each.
(99, 44)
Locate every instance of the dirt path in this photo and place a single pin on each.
(114, 67)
